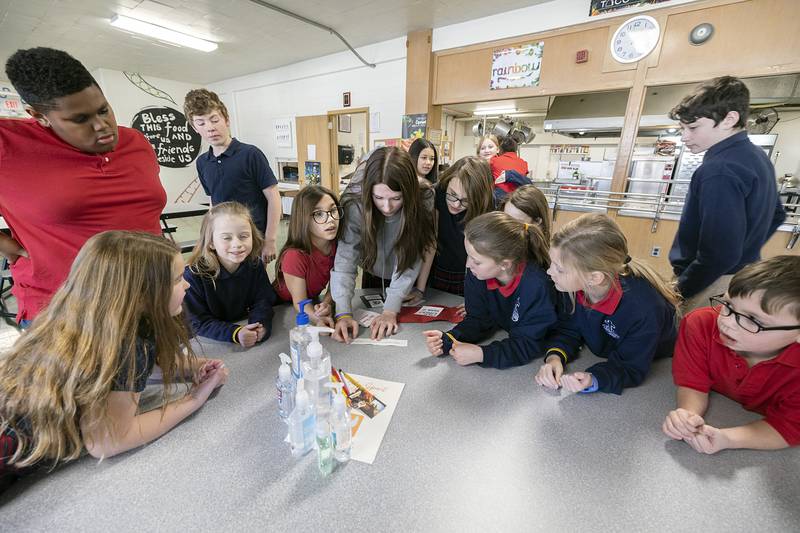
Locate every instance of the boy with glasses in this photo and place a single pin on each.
(746, 348)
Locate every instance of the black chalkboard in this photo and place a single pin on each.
(175, 142)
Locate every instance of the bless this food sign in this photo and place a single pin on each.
(517, 67)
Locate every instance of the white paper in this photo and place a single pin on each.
(383, 342)
(311, 150)
(429, 310)
(369, 432)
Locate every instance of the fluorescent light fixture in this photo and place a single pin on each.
(495, 111)
(161, 33)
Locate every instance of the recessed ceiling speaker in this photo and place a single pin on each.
(701, 33)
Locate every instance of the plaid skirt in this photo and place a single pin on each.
(444, 280)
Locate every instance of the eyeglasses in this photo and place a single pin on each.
(321, 217)
(745, 322)
(455, 200)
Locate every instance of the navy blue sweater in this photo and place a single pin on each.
(731, 210)
(640, 328)
(214, 304)
(526, 315)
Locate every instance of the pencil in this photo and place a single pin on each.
(367, 393)
(451, 337)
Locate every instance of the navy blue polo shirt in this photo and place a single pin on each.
(732, 208)
(240, 174)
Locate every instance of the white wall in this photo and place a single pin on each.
(315, 87)
(533, 19)
(126, 99)
(788, 144)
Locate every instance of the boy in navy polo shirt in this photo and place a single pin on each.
(732, 206)
(232, 170)
(746, 348)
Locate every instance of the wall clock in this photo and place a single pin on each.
(635, 38)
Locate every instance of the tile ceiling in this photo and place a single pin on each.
(251, 38)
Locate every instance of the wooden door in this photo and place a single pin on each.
(313, 134)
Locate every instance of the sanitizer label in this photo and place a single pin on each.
(297, 372)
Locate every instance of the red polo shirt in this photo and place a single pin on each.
(314, 268)
(507, 161)
(771, 387)
(54, 197)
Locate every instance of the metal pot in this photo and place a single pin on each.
(502, 128)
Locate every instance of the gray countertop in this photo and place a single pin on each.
(467, 449)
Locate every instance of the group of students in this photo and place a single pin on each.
(74, 379)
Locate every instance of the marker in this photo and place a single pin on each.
(344, 383)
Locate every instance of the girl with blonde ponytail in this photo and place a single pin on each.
(621, 309)
(506, 288)
(73, 381)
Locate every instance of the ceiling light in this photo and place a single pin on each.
(496, 111)
(161, 33)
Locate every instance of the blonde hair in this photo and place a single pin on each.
(61, 371)
(204, 261)
(595, 243)
(500, 237)
(492, 138)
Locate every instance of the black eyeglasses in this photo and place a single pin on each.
(321, 217)
(745, 322)
(455, 200)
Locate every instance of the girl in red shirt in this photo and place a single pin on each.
(507, 160)
(305, 262)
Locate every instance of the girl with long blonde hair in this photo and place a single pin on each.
(506, 288)
(304, 265)
(73, 381)
(228, 280)
(621, 309)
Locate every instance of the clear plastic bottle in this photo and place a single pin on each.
(341, 428)
(301, 423)
(324, 447)
(317, 374)
(285, 387)
(299, 337)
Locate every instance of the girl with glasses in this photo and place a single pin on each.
(304, 265)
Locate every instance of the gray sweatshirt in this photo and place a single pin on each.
(348, 258)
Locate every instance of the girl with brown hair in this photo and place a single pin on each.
(304, 265)
(506, 288)
(387, 229)
(227, 278)
(529, 204)
(622, 310)
(73, 381)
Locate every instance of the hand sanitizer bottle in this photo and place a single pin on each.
(285, 388)
(299, 338)
(317, 375)
(324, 447)
(301, 423)
(340, 425)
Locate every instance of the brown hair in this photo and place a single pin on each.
(531, 201)
(393, 167)
(299, 235)
(501, 236)
(61, 371)
(714, 99)
(203, 102)
(476, 179)
(204, 261)
(778, 277)
(595, 243)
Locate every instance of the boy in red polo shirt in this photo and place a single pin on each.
(746, 348)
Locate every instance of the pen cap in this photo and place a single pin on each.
(302, 316)
(285, 371)
(301, 399)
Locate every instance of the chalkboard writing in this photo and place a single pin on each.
(176, 144)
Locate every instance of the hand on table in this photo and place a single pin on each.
(343, 328)
(549, 374)
(577, 381)
(248, 335)
(433, 341)
(465, 353)
(209, 367)
(413, 298)
(213, 379)
(681, 424)
(461, 310)
(708, 440)
(384, 325)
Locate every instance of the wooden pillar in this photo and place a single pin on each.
(419, 77)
